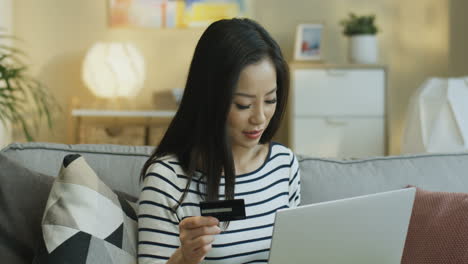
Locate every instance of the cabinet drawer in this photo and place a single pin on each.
(121, 135)
(339, 137)
(338, 92)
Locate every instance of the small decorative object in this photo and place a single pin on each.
(112, 70)
(361, 31)
(437, 118)
(173, 13)
(308, 42)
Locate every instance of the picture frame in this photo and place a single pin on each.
(173, 13)
(308, 43)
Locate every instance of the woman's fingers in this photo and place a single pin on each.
(201, 241)
(196, 236)
(191, 234)
(193, 227)
(198, 221)
(201, 252)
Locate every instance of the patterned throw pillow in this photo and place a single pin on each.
(85, 221)
(438, 229)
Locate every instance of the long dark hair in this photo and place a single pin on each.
(197, 135)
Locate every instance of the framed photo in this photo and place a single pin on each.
(308, 46)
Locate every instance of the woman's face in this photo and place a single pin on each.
(253, 104)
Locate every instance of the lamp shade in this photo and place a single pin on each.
(114, 70)
(437, 118)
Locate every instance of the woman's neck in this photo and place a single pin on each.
(249, 159)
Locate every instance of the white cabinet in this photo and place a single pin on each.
(338, 111)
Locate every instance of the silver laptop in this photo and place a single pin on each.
(366, 229)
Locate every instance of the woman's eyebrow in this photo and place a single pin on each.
(253, 96)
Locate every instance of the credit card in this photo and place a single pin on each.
(226, 210)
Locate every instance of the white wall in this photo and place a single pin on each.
(6, 15)
(458, 38)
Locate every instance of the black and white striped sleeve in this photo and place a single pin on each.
(294, 182)
(158, 224)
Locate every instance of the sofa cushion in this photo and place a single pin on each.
(23, 196)
(85, 221)
(331, 179)
(118, 166)
(438, 229)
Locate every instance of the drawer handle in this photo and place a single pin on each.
(333, 72)
(335, 122)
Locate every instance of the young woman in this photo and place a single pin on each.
(218, 147)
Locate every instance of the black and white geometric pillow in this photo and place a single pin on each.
(85, 221)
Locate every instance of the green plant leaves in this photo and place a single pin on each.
(24, 101)
(359, 25)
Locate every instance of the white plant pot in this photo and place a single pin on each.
(363, 49)
(5, 134)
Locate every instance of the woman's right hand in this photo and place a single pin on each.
(196, 235)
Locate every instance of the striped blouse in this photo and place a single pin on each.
(275, 185)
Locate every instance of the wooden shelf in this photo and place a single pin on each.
(126, 127)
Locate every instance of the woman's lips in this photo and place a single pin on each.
(254, 134)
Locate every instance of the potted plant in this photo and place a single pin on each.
(24, 101)
(361, 31)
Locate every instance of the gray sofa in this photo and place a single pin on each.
(26, 170)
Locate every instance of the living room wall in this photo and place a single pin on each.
(414, 44)
(57, 34)
(458, 38)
